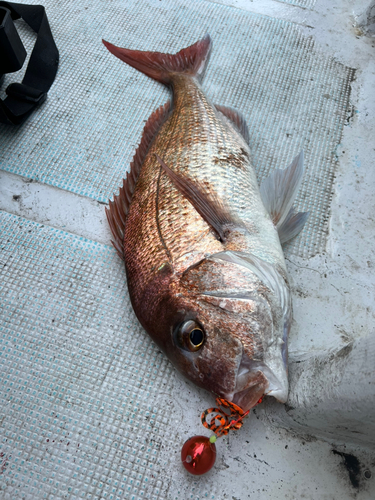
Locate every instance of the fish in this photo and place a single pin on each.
(201, 241)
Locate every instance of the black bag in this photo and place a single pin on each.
(42, 68)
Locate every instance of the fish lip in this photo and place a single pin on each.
(251, 396)
(250, 384)
(255, 379)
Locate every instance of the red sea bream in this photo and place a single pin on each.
(201, 242)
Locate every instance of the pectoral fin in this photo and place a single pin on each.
(209, 206)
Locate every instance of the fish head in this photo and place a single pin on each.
(225, 331)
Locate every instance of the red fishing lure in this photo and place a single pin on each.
(198, 453)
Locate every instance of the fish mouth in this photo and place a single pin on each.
(255, 379)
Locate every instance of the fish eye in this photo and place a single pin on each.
(196, 337)
(191, 336)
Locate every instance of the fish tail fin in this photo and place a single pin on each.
(161, 67)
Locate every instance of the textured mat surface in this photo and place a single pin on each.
(83, 138)
(79, 377)
(307, 4)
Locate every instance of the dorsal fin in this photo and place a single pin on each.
(161, 67)
(118, 209)
(236, 118)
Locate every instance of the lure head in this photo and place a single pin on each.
(223, 326)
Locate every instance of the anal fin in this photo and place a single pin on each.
(237, 120)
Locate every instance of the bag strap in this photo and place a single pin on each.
(24, 97)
